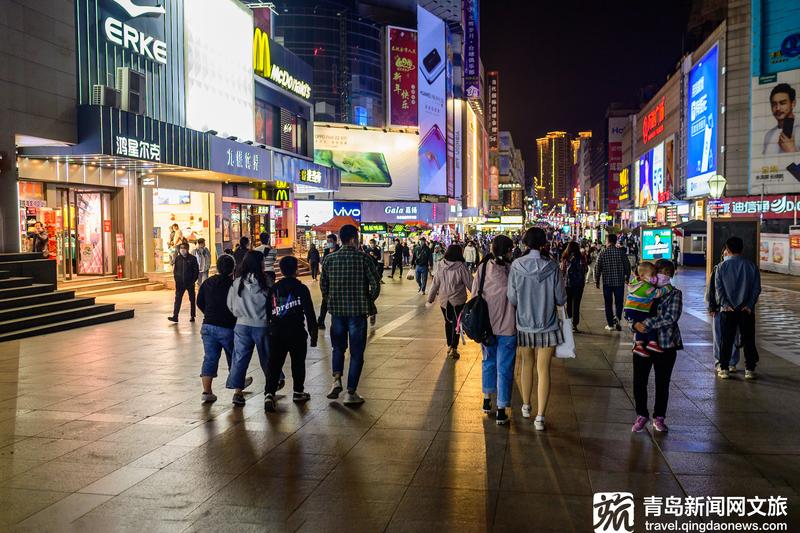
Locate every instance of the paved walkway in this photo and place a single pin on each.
(102, 429)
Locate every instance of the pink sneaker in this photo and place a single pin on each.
(659, 425)
(654, 347)
(639, 350)
(639, 425)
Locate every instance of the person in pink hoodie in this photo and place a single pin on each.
(450, 284)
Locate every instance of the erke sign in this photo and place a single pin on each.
(133, 39)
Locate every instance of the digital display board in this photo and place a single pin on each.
(656, 243)
(701, 137)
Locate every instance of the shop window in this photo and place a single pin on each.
(267, 123)
(177, 215)
(698, 244)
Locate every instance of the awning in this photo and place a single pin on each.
(335, 224)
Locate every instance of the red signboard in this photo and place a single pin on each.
(107, 226)
(769, 206)
(653, 121)
(402, 77)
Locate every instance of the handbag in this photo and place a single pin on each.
(410, 275)
(474, 319)
(565, 350)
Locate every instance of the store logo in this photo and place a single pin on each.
(263, 66)
(135, 148)
(133, 39)
(653, 122)
(311, 176)
(790, 47)
(612, 512)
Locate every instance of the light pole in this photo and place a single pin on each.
(716, 188)
(652, 209)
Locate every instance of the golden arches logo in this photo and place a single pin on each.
(262, 62)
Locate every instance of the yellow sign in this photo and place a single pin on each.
(262, 61)
(624, 184)
(263, 66)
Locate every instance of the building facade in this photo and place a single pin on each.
(554, 169)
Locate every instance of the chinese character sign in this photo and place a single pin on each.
(402, 79)
(472, 48)
(494, 109)
(128, 147)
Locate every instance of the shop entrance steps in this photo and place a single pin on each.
(31, 305)
(108, 285)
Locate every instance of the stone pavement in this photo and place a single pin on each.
(102, 429)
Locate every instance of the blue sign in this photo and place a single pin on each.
(776, 36)
(701, 139)
(231, 157)
(347, 209)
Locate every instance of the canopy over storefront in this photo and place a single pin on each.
(335, 224)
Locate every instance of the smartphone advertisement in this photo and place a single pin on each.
(775, 134)
(432, 86)
(656, 243)
(701, 139)
(374, 165)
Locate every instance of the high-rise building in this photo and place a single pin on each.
(509, 197)
(554, 164)
(581, 170)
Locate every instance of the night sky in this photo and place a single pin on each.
(562, 62)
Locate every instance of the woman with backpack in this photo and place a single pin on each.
(497, 370)
(451, 284)
(574, 269)
(535, 288)
(247, 300)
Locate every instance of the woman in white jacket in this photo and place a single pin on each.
(247, 300)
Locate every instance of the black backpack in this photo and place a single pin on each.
(474, 319)
(575, 274)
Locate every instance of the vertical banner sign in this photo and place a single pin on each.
(472, 48)
(458, 147)
(402, 78)
(701, 139)
(494, 111)
(432, 82)
(616, 125)
(451, 185)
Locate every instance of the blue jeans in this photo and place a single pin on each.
(716, 339)
(498, 368)
(354, 328)
(422, 277)
(215, 340)
(245, 338)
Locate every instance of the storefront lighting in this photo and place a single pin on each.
(716, 186)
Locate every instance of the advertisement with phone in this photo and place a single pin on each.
(702, 131)
(775, 134)
(432, 155)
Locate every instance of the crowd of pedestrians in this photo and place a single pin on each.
(523, 280)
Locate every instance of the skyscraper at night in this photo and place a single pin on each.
(553, 165)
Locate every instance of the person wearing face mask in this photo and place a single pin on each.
(664, 323)
(185, 272)
(203, 256)
(713, 311)
(642, 292)
(332, 245)
(218, 324)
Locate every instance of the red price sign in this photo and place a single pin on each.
(107, 226)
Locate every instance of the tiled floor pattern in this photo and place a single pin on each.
(102, 430)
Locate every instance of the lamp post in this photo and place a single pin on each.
(652, 209)
(716, 186)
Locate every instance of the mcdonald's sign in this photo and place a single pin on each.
(275, 63)
(280, 191)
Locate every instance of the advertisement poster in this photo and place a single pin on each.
(775, 135)
(449, 88)
(665, 192)
(313, 212)
(644, 190)
(493, 105)
(402, 79)
(374, 165)
(472, 48)
(776, 23)
(656, 244)
(432, 81)
(458, 147)
(701, 139)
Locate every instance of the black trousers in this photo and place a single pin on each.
(451, 313)
(574, 297)
(323, 311)
(396, 264)
(663, 363)
(314, 270)
(179, 290)
(745, 324)
(281, 345)
(614, 298)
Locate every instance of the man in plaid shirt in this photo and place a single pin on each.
(349, 284)
(614, 268)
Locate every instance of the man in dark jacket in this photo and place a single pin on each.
(615, 270)
(423, 261)
(185, 271)
(397, 258)
(290, 306)
(332, 245)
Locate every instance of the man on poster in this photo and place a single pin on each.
(783, 138)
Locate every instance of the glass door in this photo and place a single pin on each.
(66, 237)
(91, 253)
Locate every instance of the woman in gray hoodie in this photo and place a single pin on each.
(535, 288)
(247, 300)
(451, 283)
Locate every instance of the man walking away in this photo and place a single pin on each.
(738, 286)
(349, 284)
(614, 269)
(313, 261)
(185, 273)
(270, 256)
(423, 261)
(203, 256)
(397, 258)
(291, 305)
(332, 245)
(376, 254)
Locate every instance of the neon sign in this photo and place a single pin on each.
(653, 121)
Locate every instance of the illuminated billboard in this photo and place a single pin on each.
(701, 137)
(374, 165)
(402, 78)
(656, 243)
(432, 83)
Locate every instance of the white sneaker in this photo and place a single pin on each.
(208, 397)
(538, 423)
(723, 373)
(610, 328)
(526, 411)
(352, 398)
(732, 369)
(336, 389)
(749, 374)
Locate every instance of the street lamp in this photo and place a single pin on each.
(716, 186)
(652, 208)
